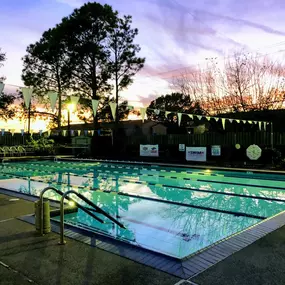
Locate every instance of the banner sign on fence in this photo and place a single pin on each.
(196, 153)
(216, 150)
(148, 150)
(181, 147)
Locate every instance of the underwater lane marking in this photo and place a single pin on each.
(161, 185)
(194, 206)
(178, 233)
(170, 202)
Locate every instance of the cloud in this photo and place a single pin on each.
(72, 3)
(240, 22)
(186, 28)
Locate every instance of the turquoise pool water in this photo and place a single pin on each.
(174, 211)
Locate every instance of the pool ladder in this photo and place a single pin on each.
(64, 195)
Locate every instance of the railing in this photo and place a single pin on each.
(64, 195)
(4, 159)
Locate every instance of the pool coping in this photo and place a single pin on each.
(179, 165)
(265, 171)
(186, 268)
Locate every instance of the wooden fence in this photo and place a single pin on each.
(16, 139)
(226, 139)
(223, 139)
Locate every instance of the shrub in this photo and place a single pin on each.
(42, 145)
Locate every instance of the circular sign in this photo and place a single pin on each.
(253, 152)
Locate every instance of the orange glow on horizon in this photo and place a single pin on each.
(39, 123)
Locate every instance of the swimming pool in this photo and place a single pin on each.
(173, 211)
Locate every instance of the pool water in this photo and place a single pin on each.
(173, 211)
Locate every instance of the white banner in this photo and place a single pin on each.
(179, 115)
(95, 104)
(143, 112)
(113, 107)
(27, 94)
(52, 97)
(196, 153)
(224, 123)
(74, 100)
(167, 113)
(149, 150)
(216, 150)
(22, 131)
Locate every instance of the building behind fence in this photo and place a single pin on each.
(223, 139)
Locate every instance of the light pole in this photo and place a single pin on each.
(29, 118)
(70, 108)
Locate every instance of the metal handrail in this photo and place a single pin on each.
(69, 199)
(64, 196)
(42, 205)
(99, 210)
(5, 159)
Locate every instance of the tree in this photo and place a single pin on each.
(103, 111)
(174, 102)
(240, 83)
(6, 112)
(6, 101)
(249, 82)
(124, 61)
(46, 68)
(84, 33)
(2, 58)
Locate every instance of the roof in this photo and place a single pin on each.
(123, 124)
(107, 125)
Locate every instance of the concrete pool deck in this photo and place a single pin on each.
(26, 258)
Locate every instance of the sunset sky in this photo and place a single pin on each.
(172, 33)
